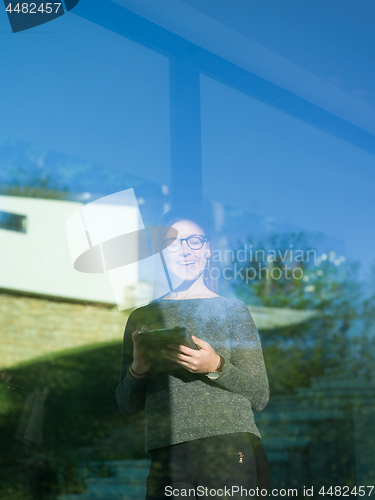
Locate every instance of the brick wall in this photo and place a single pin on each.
(33, 326)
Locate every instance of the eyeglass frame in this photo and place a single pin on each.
(204, 238)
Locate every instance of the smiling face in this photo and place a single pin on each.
(186, 263)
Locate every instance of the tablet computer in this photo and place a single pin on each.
(153, 341)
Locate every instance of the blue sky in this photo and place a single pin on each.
(333, 39)
(76, 89)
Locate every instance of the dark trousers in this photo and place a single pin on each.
(227, 466)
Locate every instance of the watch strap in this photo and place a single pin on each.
(220, 366)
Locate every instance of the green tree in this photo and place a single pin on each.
(301, 279)
(34, 184)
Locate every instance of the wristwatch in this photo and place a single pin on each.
(214, 374)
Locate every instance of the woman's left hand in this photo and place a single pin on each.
(202, 360)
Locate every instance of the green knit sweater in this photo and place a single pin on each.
(181, 406)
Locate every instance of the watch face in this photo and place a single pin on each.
(213, 375)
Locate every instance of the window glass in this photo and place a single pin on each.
(84, 114)
(294, 203)
(259, 113)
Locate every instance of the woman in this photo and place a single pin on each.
(200, 428)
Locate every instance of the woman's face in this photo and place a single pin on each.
(186, 263)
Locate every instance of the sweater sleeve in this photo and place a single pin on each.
(130, 392)
(245, 372)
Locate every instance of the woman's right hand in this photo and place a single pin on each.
(141, 364)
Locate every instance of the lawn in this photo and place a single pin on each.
(79, 420)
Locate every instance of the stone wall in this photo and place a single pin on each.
(33, 326)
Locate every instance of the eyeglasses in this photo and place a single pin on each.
(195, 242)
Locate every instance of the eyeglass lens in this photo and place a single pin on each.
(194, 242)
